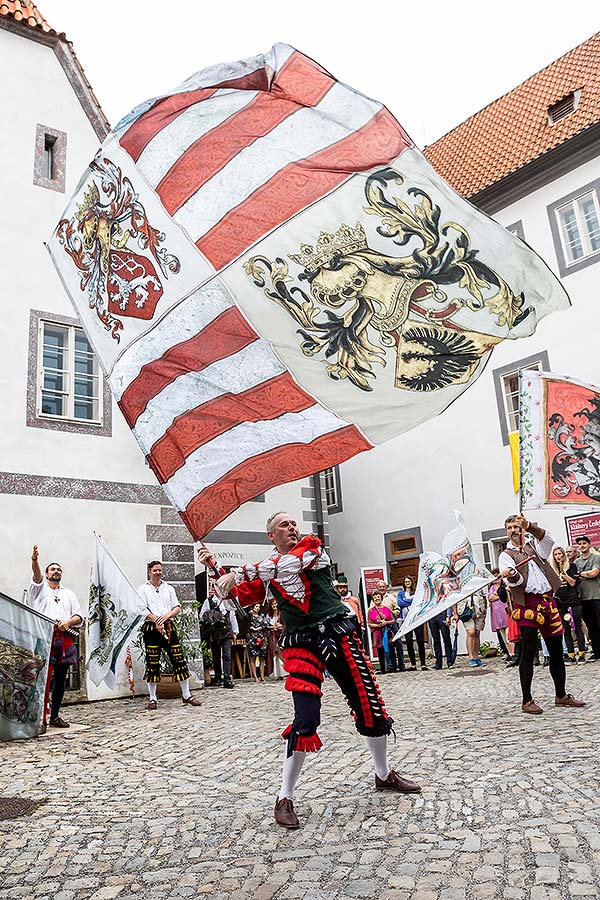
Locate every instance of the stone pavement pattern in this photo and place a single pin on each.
(178, 803)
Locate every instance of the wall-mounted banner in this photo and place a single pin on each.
(559, 427)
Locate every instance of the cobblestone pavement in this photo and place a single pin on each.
(178, 803)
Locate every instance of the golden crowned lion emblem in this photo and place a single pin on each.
(353, 303)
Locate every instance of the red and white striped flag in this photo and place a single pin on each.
(275, 279)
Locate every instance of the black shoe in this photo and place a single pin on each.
(424, 669)
(216, 682)
(546, 662)
(512, 663)
(536, 660)
(228, 683)
(438, 666)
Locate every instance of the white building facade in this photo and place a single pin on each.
(69, 464)
(544, 185)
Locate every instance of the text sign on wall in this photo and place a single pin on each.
(588, 525)
(369, 579)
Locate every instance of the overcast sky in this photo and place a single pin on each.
(432, 63)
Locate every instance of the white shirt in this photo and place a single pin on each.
(159, 600)
(224, 608)
(537, 583)
(59, 605)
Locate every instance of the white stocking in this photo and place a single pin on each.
(185, 689)
(152, 690)
(291, 770)
(378, 749)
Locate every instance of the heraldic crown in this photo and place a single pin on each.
(345, 240)
(90, 198)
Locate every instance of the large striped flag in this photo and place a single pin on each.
(275, 279)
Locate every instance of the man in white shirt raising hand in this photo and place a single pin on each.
(47, 596)
(532, 581)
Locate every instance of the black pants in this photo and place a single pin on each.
(529, 649)
(341, 653)
(222, 650)
(440, 632)
(418, 632)
(590, 613)
(59, 680)
(576, 611)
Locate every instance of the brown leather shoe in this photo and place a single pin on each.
(58, 723)
(284, 813)
(532, 707)
(191, 701)
(395, 782)
(152, 704)
(568, 700)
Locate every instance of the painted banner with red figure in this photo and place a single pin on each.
(559, 426)
(275, 279)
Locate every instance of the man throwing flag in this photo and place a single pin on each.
(318, 634)
(532, 581)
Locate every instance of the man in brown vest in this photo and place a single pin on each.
(532, 581)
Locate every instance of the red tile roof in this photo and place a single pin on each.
(25, 11)
(514, 130)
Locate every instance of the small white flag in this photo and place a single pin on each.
(445, 579)
(116, 612)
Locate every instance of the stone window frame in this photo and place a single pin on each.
(552, 209)
(337, 506)
(517, 229)
(33, 420)
(43, 133)
(499, 375)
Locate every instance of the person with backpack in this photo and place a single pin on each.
(219, 627)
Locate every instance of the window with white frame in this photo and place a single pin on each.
(506, 384)
(579, 227)
(333, 494)
(69, 383)
(510, 384)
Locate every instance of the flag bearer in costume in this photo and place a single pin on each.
(532, 582)
(160, 633)
(318, 633)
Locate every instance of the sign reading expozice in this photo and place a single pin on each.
(559, 427)
(275, 279)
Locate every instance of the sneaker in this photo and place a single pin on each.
(581, 656)
(438, 666)
(473, 663)
(481, 662)
(570, 657)
(546, 662)
(228, 683)
(424, 669)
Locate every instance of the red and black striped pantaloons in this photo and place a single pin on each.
(351, 669)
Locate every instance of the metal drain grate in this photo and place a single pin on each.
(13, 807)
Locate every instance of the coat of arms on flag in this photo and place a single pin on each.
(445, 579)
(275, 279)
(559, 428)
(25, 641)
(116, 611)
